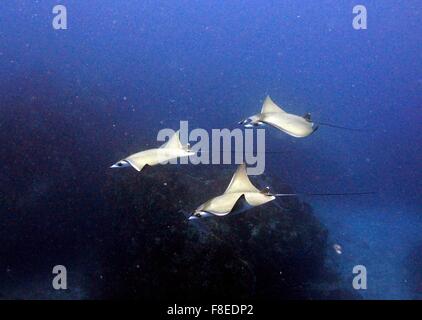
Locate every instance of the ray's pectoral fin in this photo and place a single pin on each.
(137, 166)
(173, 142)
(145, 167)
(269, 106)
(232, 206)
(240, 205)
(240, 181)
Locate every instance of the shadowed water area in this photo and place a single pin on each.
(75, 101)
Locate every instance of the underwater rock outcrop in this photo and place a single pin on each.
(270, 252)
(124, 234)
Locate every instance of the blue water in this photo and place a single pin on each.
(125, 69)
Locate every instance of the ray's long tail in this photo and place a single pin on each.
(322, 194)
(342, 127)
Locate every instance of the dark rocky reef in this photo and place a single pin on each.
(276, 251)
(124, 234)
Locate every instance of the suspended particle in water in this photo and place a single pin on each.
(337, 248)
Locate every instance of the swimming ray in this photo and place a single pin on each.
(172, 149)
(294, 125)
(242, 195)
(239, 196)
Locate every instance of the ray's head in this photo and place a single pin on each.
(251, 122)
(198, 214)
(120, 164)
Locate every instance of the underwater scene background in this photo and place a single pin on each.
(75, 101)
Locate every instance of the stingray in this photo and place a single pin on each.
(242, 195)
(294, 125)
(172, 149)
(239, 196)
